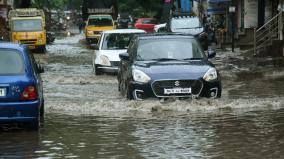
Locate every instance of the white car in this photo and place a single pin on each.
(111, 44)
(160, 28)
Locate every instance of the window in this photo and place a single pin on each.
(117, 41)
(185, 23)
(100, 21)
(169, 48)
(11, 62)
(27, 25)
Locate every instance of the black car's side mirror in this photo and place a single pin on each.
(124, 56)
(40, 69)
(211, 53)
(94, 46)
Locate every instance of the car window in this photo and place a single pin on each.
(169, 48)
(185, 23)
(149, 21)
(117, 41)
(11, 62)
(100, 21)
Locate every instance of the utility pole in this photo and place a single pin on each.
(232, 10)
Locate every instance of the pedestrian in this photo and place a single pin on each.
(81, 25)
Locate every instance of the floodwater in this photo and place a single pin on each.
(87, 118)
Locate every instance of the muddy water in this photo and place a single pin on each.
(87, 118)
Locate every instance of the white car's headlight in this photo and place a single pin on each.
(210, 75)
(105, 61)
(140, 76)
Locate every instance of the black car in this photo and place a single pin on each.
(124, 21)
(167, 65)
(188, 25)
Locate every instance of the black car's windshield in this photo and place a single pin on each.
(11, 62)
(100, 21)
(169, 49)
(185, 23)
(116, 41)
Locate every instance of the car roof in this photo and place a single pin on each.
(165, 36)
(8, 45)
(124, 31)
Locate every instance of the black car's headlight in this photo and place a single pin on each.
(210, 75)
(140, 76)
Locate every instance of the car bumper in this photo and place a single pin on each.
(108, 69)
(19, 111)
(208, 90)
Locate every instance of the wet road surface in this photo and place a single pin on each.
(87, 118)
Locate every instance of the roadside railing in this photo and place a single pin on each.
(271, 30)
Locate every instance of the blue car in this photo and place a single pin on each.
(21, 93)
(167, 65)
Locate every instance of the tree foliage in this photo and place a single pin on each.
(140, 7)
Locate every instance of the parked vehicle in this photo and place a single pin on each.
(95, 25)
(167, 65)
(188, 25)
(160, 28)
(21, 92)
(146, 24)
(50, 37)
(111, 44)
(27, 26)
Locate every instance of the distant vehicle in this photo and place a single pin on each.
(146, 24)
(188, 25)
(21, 92)
(50, 37)
(97, 24)
(27, 26)
(160, 28)
(111, 44)
(124, 21)
(167, 65)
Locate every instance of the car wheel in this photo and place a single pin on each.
(98, 71)
(219, 94)
(42, 114)
(34, 125)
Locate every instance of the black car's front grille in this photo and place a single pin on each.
(160, 86)
(114, 63)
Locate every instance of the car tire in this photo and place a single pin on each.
(98, 71)
(34, 125)
(42, 114)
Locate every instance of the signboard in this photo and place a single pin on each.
(251, 13)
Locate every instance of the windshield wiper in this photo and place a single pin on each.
(165, 59)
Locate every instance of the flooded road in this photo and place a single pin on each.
(87, 118)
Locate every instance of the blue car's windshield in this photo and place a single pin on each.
(180, 49)
(11, 62)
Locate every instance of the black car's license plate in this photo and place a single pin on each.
(177, 91)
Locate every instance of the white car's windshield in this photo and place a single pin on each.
(116, 41)
(27, 25)
(180, 49)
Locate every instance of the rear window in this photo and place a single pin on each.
(149, 21)
(11, 62)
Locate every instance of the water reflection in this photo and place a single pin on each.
(224, 134)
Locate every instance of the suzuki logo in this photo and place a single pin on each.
(177, 83)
